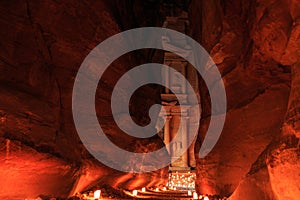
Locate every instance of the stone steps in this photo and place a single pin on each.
(151, 194)
(168, 194)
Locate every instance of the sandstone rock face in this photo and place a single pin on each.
(283, 160)
(255, 45)
(42, 47)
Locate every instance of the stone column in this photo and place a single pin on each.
(185, 140)
(167, 84)
(184, 80)
(167, 132)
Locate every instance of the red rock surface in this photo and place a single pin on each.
(254, 44)
(43, 44)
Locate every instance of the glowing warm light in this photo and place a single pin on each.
(206, 198)
(156, 189)
(143, 189)
(164, 188)
(134, 193)
(195, 195)
(181, 180)
(97, 194)
(190, 193)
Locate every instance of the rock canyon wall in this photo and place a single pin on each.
(43, 44)
(256, 46)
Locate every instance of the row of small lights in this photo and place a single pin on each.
(96, 195)
(176, 181)
(189, 193)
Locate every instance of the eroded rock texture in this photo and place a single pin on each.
(255, 45)
(43, 44)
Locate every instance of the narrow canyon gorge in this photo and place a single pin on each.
(255, 46)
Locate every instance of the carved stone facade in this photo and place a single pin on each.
(175, 91)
